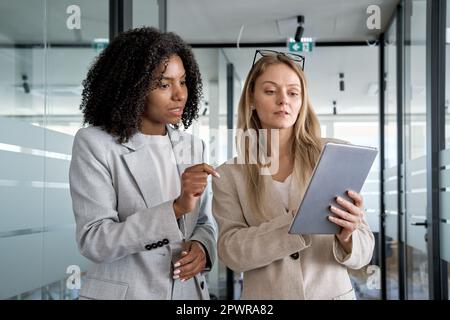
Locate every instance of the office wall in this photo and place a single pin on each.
(42, 65)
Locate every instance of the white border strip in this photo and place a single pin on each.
(34, 152)
(34, 184)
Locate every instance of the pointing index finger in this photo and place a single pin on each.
(210, 170)
(207, 168)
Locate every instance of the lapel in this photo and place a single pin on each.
(142, 170)
(296, 193)
(139, 163)
(187, 152)
(298, 187)
(181, 149)
(272, 197)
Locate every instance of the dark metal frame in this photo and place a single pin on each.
(162, 15)
(398, 17)
(279, 44)
(382, 234)
(400, 135)
(163, 26)
(230, 118)
(435, 86)
(120, 17)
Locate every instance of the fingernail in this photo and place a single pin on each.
(183, 280)
(332, 207)
(330, 217)
(216, 174)
(350, 192)
(176, 271)
(176, 277)
(339, 199)
(176, 265)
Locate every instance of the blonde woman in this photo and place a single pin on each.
(254, 209)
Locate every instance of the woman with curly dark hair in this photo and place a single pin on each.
(137, 182)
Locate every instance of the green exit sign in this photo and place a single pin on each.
(301, 46)
(99, 44)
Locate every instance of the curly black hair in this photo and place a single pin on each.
(119, 80)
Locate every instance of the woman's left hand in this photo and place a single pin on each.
(192, 262)
(349, 219)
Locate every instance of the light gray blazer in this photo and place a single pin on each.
(123, 225)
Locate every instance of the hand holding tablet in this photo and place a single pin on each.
(340, 168)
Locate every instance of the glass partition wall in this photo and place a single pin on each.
(416, 160)
(43, 63)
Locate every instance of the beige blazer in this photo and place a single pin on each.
(277, 265)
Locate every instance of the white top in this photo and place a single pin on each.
(283, 189)
(163, 160)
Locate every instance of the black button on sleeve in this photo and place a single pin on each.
(165, 241)
(202, 285)
(295, 256)
(148, 247)
(160, 244)
(154, 246)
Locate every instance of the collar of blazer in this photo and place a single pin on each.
(187, 151)
(296, 192)
(137, 142)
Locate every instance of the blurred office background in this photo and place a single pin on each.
(45, 53)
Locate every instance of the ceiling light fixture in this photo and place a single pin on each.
(300, 29)
(341, 82)
(25, 85)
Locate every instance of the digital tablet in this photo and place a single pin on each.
(340, 167)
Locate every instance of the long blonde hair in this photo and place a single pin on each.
(306, 144)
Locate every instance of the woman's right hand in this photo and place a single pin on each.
(193, 183)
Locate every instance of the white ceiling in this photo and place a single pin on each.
(198, 21)
(218, 21)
